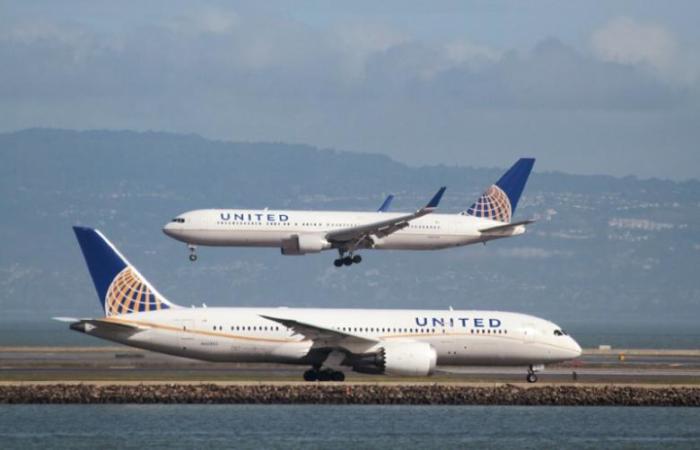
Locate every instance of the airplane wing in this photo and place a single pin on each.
(383, 227)
(322, 336)
(506, 227)
(387, 203)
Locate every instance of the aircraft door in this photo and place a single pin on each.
(185, 335)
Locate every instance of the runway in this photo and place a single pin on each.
(123, 364)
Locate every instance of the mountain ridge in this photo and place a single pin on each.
(602, 245)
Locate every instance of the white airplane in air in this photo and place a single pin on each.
(373, 341)
(301, 232)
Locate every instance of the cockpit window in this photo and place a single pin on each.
(178, 220)
(560, 333)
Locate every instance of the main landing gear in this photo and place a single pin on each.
(317, 374)
(531, 376)
(347, 260)
(193, 252)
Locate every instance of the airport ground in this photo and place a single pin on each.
(126, 365)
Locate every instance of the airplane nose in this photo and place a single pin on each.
(169, 229)
(575, 348)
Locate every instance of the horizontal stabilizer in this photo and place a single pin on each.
(67, 319)
(507, 226)
(116, 324)
(86, 325)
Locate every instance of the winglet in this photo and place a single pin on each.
(436, 198)
(386, 204)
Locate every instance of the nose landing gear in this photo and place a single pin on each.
(531, 375)
(193, 252)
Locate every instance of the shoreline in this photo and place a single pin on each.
(350, 393)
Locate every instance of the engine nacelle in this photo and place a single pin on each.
(304, 243)
(416, 359)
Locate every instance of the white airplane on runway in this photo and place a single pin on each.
(301, 232)
(373, 341)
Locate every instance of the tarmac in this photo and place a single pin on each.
(115, 365)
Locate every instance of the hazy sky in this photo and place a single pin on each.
(586, 86)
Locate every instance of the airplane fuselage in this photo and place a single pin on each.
(243, 335)
(268, 228)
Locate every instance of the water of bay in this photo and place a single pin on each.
(328, 426)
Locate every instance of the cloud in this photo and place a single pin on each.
(471, 53)
(630, 42)
(358, 85)
(219, 52)
(555, 76)
(205, 21)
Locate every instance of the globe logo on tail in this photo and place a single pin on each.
(493, 204)
(128, 293)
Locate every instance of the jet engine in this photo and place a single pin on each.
(304, 243)
(400, 358)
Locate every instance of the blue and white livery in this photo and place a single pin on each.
(373, 341)
(302, 232)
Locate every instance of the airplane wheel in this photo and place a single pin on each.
(193, 257)
(357, 259)
(531, 378)
(338, 263)
(325, 375)
(338, 376)
(311, 375)
(347, 261)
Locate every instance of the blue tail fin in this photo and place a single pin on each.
(120, 287)
(387, 203)
(500, 200)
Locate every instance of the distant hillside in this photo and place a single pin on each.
(603, 248)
